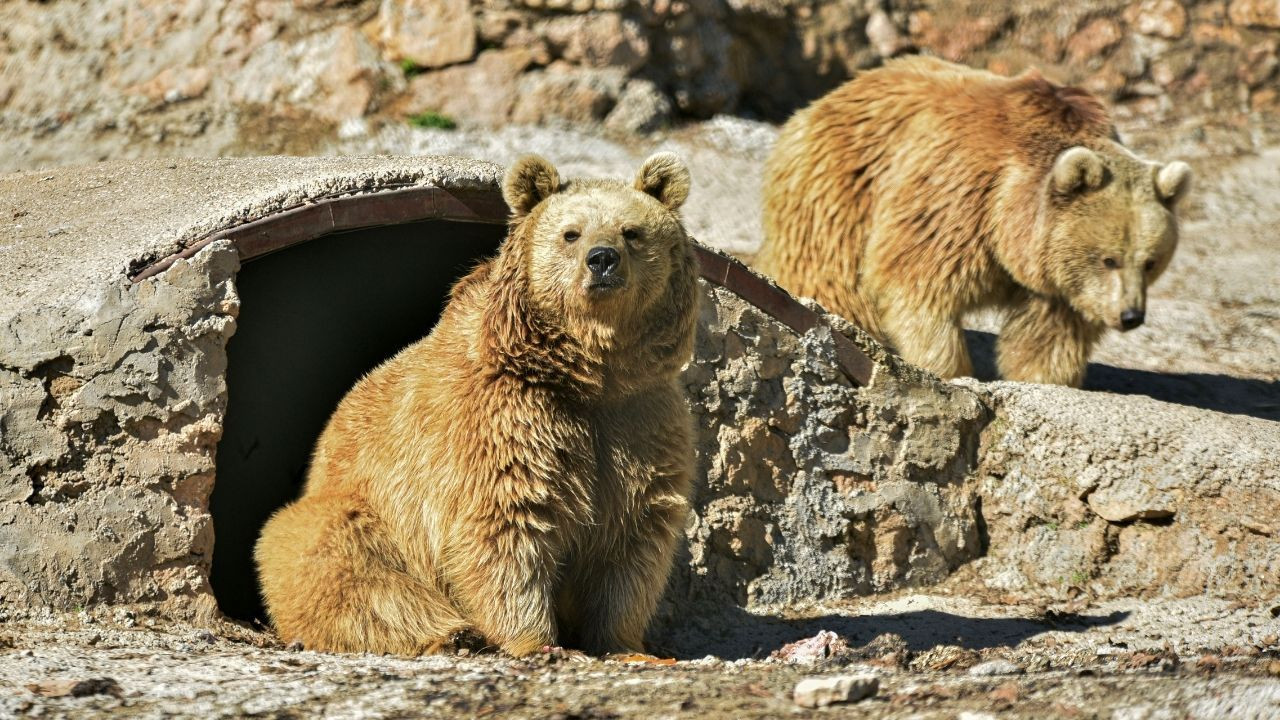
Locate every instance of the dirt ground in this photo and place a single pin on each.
(934, 656)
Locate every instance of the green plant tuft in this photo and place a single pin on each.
(410, 68)
(432, 119)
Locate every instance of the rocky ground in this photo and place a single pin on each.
(940, 655)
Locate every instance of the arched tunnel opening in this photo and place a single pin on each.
(314, 317)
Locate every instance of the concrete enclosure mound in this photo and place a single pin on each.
(173, 334)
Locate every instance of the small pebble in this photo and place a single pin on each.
(205, 636)
(815, 692)
(995, 667)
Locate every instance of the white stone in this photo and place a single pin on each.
(995, 667)
(814, 692)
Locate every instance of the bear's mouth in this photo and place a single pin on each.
(605, 284)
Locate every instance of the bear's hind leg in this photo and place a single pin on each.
(333, 580)
(1045, 341)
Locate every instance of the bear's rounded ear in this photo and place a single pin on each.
(1077, 168)
(665, 177)
(530, 181)
(1173, 181)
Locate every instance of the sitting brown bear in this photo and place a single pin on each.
(922, 190)
(522, 472)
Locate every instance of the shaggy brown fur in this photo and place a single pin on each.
(524, 470)
(923, 190)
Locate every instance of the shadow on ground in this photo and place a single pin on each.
(1221, 393)
(737, 634)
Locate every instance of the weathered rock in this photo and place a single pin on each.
(816, 489)
(174, 85)
(642, 108)
(816, 692)
(430, 33)
(1162, 18)
(1259, 64)
(955, 37)
(599, 40)
(1257, 13)
(1150, 504)
(996, 667)
(336, 73)
(823, 647)
(566, 94)
(1173, 66)
(1094, 39)
(1138, 497)
(482, 93)
(884, 35)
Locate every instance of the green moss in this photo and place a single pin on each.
(1078, 578)
(432, 119)
(410, 68)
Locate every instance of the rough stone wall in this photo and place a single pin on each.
(1115, 496)
(816, 489)
(109, 419)
(126, 77)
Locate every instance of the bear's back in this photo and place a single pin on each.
(869, 177)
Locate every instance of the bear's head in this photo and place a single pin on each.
(1108, 228)
(606, 262)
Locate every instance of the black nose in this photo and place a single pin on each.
(1131, 318)
(603, 261)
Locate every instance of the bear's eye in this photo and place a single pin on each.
(1110, 263)
(1149, 265)
(571, 235)
(630, 234)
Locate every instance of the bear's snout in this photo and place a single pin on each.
(1132, 318)
(603, 262)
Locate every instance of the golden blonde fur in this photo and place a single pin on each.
(923, 190)
(524, 470)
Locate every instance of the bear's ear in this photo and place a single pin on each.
(530, 181)
(666, 178)
(1173, 181)
(1077, 168)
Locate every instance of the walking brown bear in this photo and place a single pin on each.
(922, 190)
